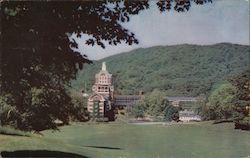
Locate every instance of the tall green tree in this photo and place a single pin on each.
(242, 84)
(139, 109)
(155, 103)
(222, 102)
(171, 113)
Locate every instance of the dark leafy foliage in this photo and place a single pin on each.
(242, 82)
(171, 113)
(138, 110)
(242, 110)
(178, 5)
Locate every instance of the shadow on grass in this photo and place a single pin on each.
(105, 147)
(38, 153)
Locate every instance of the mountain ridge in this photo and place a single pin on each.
(184, 44)
(187, 69)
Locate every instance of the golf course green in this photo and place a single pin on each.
(116, 140)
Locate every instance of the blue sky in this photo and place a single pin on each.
(220, 21)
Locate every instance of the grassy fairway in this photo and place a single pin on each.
(201, 140)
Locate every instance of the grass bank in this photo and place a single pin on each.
(11, 131)
(133, 141)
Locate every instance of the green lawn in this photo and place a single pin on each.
(202, 140)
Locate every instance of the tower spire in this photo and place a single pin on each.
(104, 66)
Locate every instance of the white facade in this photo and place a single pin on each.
(187, 116)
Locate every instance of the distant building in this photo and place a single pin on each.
(127, 101)
(187, 116)
(175, 101)
(187, 107)
(102, 102)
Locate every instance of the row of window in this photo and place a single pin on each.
(103, 89)
(103, 81)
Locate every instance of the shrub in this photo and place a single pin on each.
(78, 110)
(243, 124)
(7, 112)
(138, 110)
(223, 121)
(105, 119)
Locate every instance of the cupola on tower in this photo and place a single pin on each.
(103, 82)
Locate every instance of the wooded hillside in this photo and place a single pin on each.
(187, 70)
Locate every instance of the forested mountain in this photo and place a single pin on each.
(187, 70)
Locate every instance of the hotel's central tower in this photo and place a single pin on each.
(101, 100)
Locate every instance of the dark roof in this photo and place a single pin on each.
(125, 100)
(128, 97)
(181, 98)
